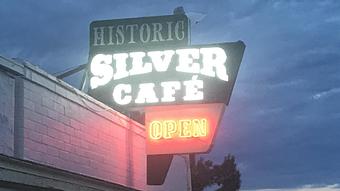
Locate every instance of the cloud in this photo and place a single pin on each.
(325, 94)
(333, 19)
(332, 187)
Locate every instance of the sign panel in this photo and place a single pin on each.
(181, 129)
(186, 75)
(142, 33)
(157, 168)
(133, 34)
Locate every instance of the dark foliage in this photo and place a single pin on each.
(202, 174)
(225, 175)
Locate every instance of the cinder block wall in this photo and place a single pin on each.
(60, 126)
(7, 85)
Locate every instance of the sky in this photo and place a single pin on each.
(283, 120)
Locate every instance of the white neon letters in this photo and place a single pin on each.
(101, 69)
(169, 90)
(121, 71)
(209, 62)
(161, 64)
(138, 66)
(214, 57)
(146, 94)
(118, 96)
(193, 90)
(213, 62)
(186, 61)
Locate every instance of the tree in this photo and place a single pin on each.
(202, 174)
(226, 175)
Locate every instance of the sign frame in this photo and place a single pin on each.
(162, 27)
(213, 112)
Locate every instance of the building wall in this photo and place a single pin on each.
(62, 127)
(6, 113)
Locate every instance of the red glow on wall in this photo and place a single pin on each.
(181, 128)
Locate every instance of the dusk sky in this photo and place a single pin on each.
(283, 120)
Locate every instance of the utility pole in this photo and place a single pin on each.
(189, 174)
(192, 164)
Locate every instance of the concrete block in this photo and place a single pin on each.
(48, 102)
(47, 83)
(64, 119)
(28, 104)
(33, 116)
(51, 113)
(34, 155)
(52, 151)
(33, 135)
(34, 96)
(40, 109)
(35, 146)
(55, 133)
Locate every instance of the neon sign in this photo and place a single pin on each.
(134, 33)
(144, 66)
(195, 74)
(212, 64)
(181, 128)
(184, 128)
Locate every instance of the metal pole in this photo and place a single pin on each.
(192, 166)
(187, 162)
(83, 83)
(72, 71)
